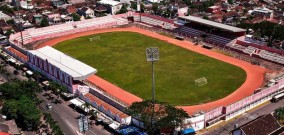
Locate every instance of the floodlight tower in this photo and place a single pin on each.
(152, 55)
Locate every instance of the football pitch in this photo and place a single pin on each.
(120, 59)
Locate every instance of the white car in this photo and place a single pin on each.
(48, 106)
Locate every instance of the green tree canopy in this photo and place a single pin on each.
(20, 102)
(123, 9)
(23, 111)
(44, 22)
(164, 116)
(75, 17)
(279, 113)
(155, 7)
(6, 9)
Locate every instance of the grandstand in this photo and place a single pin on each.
(35, 34)
(154, 20)
(197, 27)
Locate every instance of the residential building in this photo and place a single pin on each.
(112, 6)
(262, 125)
(262, 11)
(86, 12)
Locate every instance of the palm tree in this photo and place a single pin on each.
(94, 114)
(87, 105)
(279, 113)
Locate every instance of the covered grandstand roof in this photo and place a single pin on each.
(77, 69)
(211, 23)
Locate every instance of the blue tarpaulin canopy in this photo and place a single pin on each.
(130, 130)
(188, 131)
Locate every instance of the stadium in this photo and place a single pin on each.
(103, 61)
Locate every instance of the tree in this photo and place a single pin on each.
(23, 111)
(155, 7)
(205, 17)
(6, 9)
(10, 109)
(123, 9)
(279, 113)
(164, 116)
(133, 5)
(8, 33)
(44, 22)
(87, 106)
(75, 17)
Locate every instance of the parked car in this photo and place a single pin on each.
(48, 105)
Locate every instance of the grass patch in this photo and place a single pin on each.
(120, 58)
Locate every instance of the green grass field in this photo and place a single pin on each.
(120, 58)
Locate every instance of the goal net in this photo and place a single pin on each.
(201, 81)
(95, 38)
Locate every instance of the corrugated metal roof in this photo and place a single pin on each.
(77, 69)
(213, 24)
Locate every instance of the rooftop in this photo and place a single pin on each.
(109, 2)
(77, 69)
(263, 125)
(213, 24)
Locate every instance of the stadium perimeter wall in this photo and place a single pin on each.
(237, 108)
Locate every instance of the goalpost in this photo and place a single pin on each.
(95, 38)
(201, 81)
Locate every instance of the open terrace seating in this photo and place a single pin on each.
(249, 50)
(190, 31)
(121, 21)
(237, 47)
(155, 21)
(272, 56)
(26, 37)
(254, 41)
(51, 30)
(219, 40)
(106, 108)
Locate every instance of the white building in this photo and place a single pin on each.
(262, 11)
(112, 6)
(59, 67)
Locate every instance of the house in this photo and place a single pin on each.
(57, 3)
(86, 12)
(8, 127)
(263, 125)
(230, 16)
(112, 6)
(182, 10)
(37, 18)
(263, 11)
(214, 9)
(53, 18)
(26, 4)
(76, 1)
(71, 9)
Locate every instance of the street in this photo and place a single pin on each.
(61, 112)
(244, 118)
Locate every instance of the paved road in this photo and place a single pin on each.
(62, 113)
(246, 117)
(67, 118)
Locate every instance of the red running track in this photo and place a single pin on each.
(254, 80)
